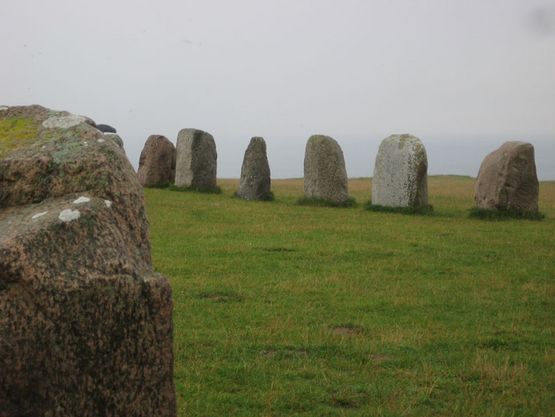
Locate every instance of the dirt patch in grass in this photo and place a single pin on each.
(347, 330)
(278, 249)
(220, 296)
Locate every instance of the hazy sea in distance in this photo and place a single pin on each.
(446, 155)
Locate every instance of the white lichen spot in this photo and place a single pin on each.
(82, 200)
(108, 203)
(68, 215)
(63, 122)
(36, 216)
(101, 140)
(86, 143)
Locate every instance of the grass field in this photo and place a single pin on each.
(287, 310)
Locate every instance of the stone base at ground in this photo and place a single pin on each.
(196, 160)
(157, 162)
(400, 173)
(255, 180)
(507, 179)
(325, 177)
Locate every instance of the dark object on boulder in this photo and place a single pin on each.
(255, 172)
(507, 180)
(157, 162)
(106, 128)
(85, 322)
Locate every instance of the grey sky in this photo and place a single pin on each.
(463, 75)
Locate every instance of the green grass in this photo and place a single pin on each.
(288, 310)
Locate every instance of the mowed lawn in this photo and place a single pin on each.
(287, 310)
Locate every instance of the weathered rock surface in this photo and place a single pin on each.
(157, 162)
(325, 177)
(196, 160)
(85, 323)
(507, 179)
(255, 180)
(106, 128)
(401, 173)
(116, 138)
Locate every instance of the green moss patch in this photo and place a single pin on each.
(15, 133)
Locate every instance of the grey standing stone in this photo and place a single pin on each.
(507, 179)
(255, 172)
(401, 173)
(325, 177)
(196, 160)
(157, 162)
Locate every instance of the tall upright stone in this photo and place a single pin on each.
(401, 173)
(507, 179)
(325, 177)
(85, 322)
(196, 160)
(255, 180)
(157, 162)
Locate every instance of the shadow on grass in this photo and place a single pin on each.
(162, 186)
(494, 215)
(213, 190)
(318, 202)
(266, 197)
(427, 211)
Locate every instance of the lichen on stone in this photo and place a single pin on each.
(68, 215)
(63, 122)
(81, 200)
(36, 216)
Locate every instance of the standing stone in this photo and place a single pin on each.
(255, 172)
(157, 162)
(507, 179)
(85, 322)
(400, 173)
(325, 177)
(195, 166)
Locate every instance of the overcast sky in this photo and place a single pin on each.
(463, 75)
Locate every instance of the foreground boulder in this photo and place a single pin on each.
(157, 162)
(507, 179)
(255, 180)
(401, 173)
(325, 177)
(85, 323)
(196, 160)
